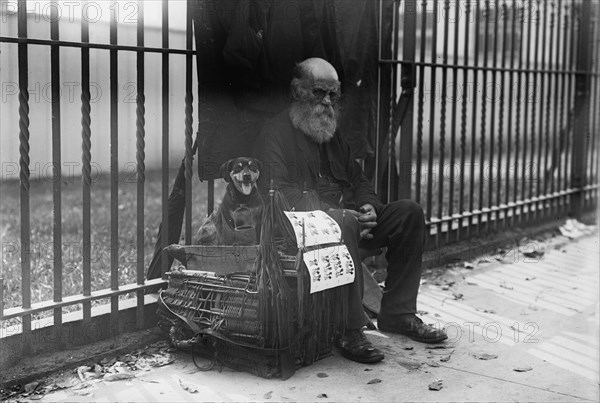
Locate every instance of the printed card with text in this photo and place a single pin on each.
(329, 267)
(314, 228)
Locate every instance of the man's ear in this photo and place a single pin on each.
(225, 169)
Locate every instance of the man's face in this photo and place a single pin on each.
(316, 110)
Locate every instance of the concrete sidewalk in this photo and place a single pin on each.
(522, 329)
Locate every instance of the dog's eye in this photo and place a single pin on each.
(237, 168)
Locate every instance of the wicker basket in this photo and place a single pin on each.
(225, 310)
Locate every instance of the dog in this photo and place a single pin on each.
(237, 220)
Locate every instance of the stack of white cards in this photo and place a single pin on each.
(326, 257)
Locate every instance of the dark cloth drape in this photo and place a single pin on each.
(247, 50)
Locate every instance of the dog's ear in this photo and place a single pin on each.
(225, 169)
(258, 163)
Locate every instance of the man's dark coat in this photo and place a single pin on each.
(291, 160)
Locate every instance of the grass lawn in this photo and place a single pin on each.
(41, 218)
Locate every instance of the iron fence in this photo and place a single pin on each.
(499, 106)
(26, 340)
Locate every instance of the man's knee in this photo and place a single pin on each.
(409, 210)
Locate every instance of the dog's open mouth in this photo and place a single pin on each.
(245, 187)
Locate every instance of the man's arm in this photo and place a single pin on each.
(362, 188)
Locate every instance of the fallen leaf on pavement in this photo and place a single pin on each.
(268, 394)
(408, 348)
(457, 295)
(522, 369)
(409, 364)
(445, 358)
(119, 376)
(485, 356)
(469, 266)
(81, 370)
(436, 385)
(433, 364)
(30, 387)
(188, 387)
(82, 392)
(322, 375)
(322, 396)
(436, 346)
(373, 381)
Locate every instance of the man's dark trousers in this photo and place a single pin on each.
(401, 229)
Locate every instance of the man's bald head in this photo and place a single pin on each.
(316, 69)
(314, 74)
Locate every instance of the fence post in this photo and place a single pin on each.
(407, 81)
(582, 109)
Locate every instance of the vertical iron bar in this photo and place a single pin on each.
(141, 161)
(509, 120)
(165, 133)
(408, 80)
(24, 172)
(540, 190)
(421, 101)
(86, 170)
(526, 164)
(549, 135)
(595, 69)
(453, 234)
(501, 120)
(483, 117)
(378, 114)
(564, 100)
(114, 168)
(582, 105)
(56, 163)
(188, 127)
(430, 156)
(463, 121)
(444, 97)
(474, 121)
(517, 101)
(391, 101)
(571, 96)
(534, 101)
(493, 168)
(556, 129)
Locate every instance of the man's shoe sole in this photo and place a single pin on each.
(366, 360)
(415, 338)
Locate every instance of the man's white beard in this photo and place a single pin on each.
(317, 122)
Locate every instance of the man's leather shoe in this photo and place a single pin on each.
(355, 346)
(412, 326)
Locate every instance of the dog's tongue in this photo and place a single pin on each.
(246, 188)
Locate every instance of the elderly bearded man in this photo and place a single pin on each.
(301, 148)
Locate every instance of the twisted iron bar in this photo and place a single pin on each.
(24, 138)
(140, 125)
(86, 133)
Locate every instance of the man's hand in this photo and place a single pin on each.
(367, 219)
